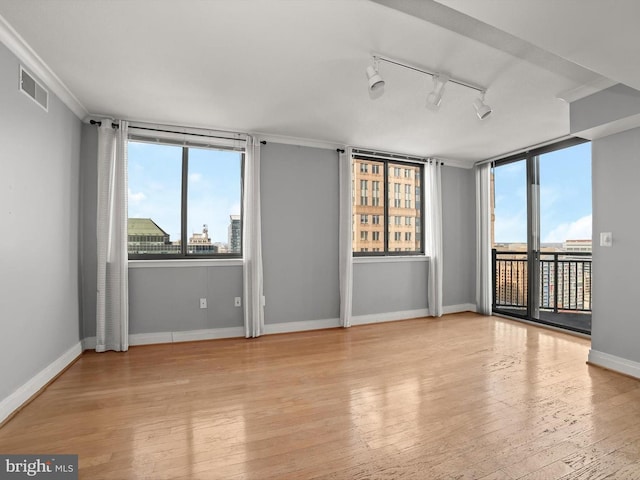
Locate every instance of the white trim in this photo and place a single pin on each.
(156, 338)
(389, 316)
(23, 393)
(391, 259)
(286, 327)
(150, 338)
(612, 362)
(88, 343)
(208, 334)
(181, 263)
(463, 307)
(21, 49)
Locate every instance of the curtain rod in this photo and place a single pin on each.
(153, 127)
(99, 123)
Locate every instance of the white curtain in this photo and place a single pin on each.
(112, 302)
(483, 239)
(345, 238)
(433, 234)
(252, 243)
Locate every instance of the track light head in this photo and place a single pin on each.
(376, 83)
(435, 97)
(482, 109)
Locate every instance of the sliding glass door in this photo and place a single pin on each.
(541, 229)
(509, 238)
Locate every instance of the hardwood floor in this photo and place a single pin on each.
(461, 397)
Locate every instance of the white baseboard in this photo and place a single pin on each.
(287, 327)
(18, 398)
(389, 316)
(463, 307)
(612, 362)
(154, 338)
(208, 334)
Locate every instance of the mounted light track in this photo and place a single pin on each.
(434, 99)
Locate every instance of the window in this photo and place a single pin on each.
(375, 200)
(396, 216)
(363, 192)
(183, 201)
(364, 168)
(364, 218)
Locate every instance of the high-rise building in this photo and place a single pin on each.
(404, 206)
(235, 234)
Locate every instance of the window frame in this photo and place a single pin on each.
(141, 137)
(400, 163)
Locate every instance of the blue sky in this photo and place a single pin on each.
(565, 197)
(214, 188)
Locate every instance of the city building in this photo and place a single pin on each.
(235, 234)
(401, 191)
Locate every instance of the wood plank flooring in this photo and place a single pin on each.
(461, 397)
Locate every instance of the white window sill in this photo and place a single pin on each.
(391, 259)
(181, 263)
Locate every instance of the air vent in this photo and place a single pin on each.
(30, 87)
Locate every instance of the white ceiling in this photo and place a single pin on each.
(297, 68)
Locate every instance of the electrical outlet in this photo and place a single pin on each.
(203, 303)
(237, 301)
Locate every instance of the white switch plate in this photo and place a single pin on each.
(606, 239)
(237, 301)
(203, 303)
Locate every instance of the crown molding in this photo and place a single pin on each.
(21, 49)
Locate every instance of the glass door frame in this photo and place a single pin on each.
(532, 159)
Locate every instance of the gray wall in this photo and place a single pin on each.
(88, 241)
(300, 206)
(39, 189)
(387, 287)
(616, 171)
(168, 299)
(458, 236)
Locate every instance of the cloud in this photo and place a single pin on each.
(577, 230)
(136, 197)
(195, 177)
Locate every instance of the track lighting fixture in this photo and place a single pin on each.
(434, 99)
(482, 109)
(376, 83)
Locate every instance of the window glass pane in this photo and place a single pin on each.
(368, 199)
(214, 187)
(404, 207)
(155, 186)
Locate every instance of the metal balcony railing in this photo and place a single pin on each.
(565, 281)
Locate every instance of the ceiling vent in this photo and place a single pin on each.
(30, 87)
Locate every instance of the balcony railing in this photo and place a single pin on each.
(565, 281)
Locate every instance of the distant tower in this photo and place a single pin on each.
(235, 236)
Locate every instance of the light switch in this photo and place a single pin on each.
(606, 239)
